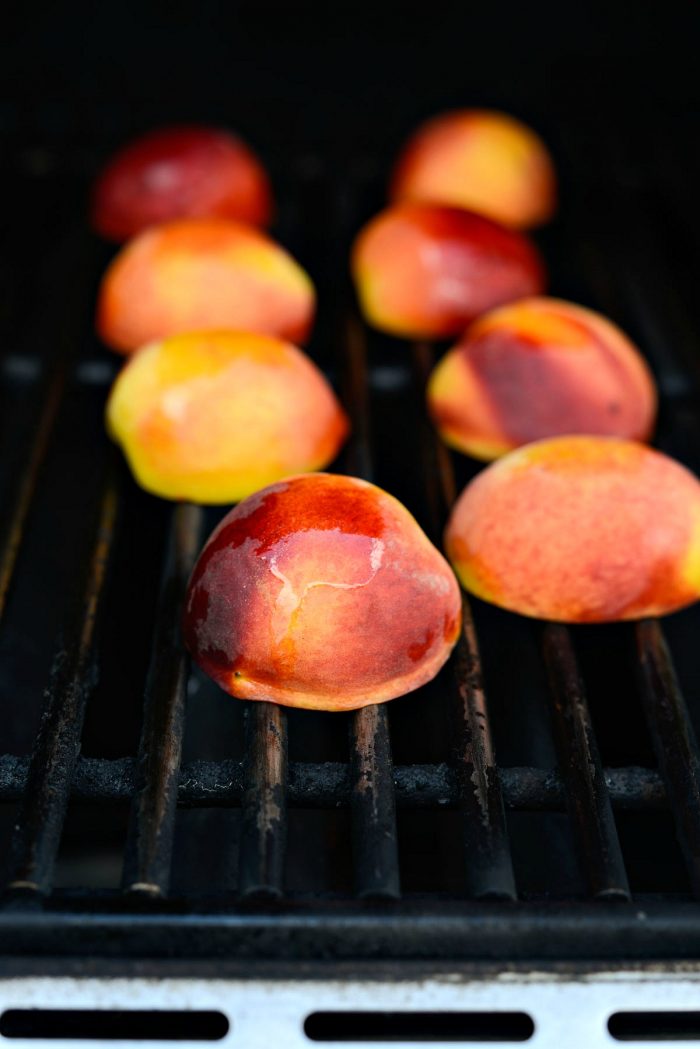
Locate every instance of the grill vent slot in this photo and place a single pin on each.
(419, 1027)
(137, 1025)
(655, 1027)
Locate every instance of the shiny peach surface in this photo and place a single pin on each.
(581, 530)
(427, 272)
(199, 274)
(483, 160)
(539, 368)
(213, 416)
(180, 172)
(321, 591)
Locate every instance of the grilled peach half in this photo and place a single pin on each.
(581, 530)
(180, 172)
(539, 368)
(321, 591)
(483, 160)
(213, 416)
(427, 272)
(201, 274)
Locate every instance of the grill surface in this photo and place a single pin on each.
(540, 799)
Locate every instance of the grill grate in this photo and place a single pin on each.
(453, 855)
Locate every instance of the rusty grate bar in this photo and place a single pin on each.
(587, 794)
(327, 784)
(489, 866)
(264, 824)
(152, 825)
(43, 809)
(374, 835)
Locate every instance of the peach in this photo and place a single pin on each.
(538, 368)
(482, 160)
(321, 591)
(180, 172)
(198, 274)
(213, 416)
(426, 272)
(581, 530)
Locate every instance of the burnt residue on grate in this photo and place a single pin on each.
(539, 798)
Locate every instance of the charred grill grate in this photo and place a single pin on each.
(303, 786)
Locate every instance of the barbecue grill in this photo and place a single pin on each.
(510, 854)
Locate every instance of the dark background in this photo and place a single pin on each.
(338, 77)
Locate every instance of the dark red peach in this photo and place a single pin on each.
(423, 271)
(176, 173)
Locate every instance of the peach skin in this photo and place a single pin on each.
(200, 274)
(180, 172)
(321, 591)
(213, 416)
(539, 368)
(482, 160)
(426, 272)
(580, 530)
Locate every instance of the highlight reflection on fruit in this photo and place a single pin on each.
(213, 416)
(581, 530)
(538, 368)
(479, 159)
(321, 591)
(180, 172)
(199, 274)
(427, 272)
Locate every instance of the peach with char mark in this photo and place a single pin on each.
(180, 172)
(540, 368)
(580, 530)
(479, 159)
(321, 591)
(199, 274)
(213, 416)
(427, 272)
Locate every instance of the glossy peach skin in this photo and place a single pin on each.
(426, 272)
(321, 591)
(479, 159)
(180, 172)
(539, 368)
(580, 529)
(213, 416)
(200, 274)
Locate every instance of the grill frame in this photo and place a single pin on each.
(260, 920)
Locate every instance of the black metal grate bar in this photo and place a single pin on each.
(150, 839)
(673, 738)
(264, 825)
(581, 770)
(47, 790)
(374, 836)
(374, 842)
(13, 535)
(327, 785)
(489, 866)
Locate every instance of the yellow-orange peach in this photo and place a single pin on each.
(180, 172)
(539, 368)
(213, 416)
(426, 272)
(198, 274)
(321, 591)
(580, 530)
(482, 160)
